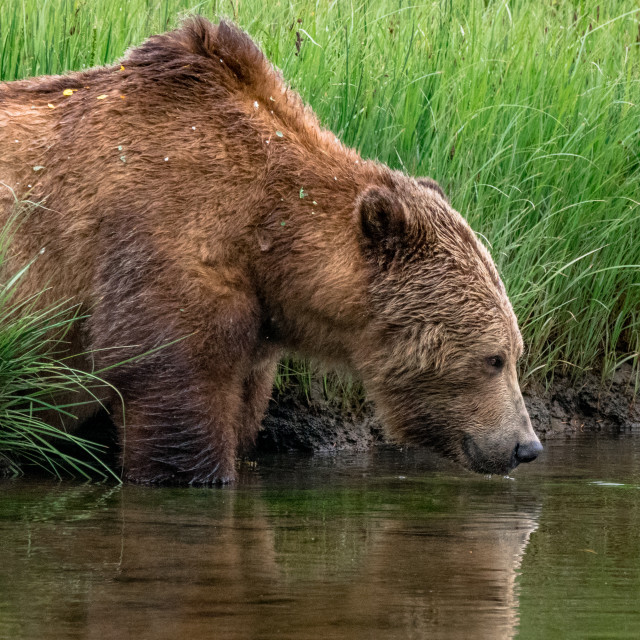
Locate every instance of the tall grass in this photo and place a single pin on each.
(34, 375)
(527, 111)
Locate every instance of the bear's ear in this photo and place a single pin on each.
(428, 183)
(383, 219)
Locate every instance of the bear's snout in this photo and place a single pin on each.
(528, 451)
(490, 456)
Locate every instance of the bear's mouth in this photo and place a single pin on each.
(476, 460)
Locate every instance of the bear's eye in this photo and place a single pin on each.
(495, 362)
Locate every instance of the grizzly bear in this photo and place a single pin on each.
(193, 208)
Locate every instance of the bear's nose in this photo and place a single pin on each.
(528, 451)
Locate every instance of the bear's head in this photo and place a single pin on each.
(443, 342)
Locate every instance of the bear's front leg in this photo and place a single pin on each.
(257, 391)
(188, 340)
(178, 423)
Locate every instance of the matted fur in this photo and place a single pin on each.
(186, 197)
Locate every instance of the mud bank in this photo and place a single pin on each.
(296, 422)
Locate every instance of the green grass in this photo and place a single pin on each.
(33, 374)
(527, 112)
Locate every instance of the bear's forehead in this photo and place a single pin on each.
(454, 236)
(481, 315)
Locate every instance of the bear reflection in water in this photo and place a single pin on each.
(258, 564)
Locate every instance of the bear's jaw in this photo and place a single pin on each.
(474, 459)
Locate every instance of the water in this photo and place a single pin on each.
(384, 545)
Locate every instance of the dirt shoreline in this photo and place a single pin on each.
(296, 423)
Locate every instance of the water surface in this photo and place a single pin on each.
(389, 544)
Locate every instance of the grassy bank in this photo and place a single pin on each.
(527, 112)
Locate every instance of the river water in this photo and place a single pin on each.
(389, 544)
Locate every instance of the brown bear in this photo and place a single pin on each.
(187, 199)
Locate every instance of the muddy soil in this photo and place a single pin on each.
(568, 407)
(297, 422)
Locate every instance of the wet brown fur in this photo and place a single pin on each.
(187, 197)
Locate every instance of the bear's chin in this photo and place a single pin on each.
(475, 460)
